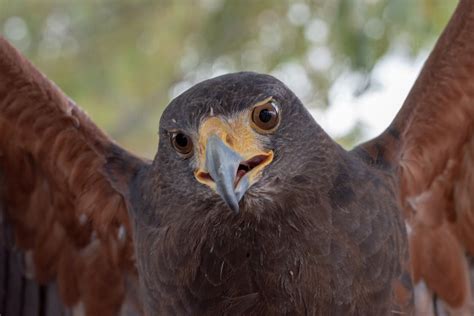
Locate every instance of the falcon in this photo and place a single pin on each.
(248, 208)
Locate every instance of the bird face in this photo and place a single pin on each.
(230, 156)
(225, 135)
(229, 152)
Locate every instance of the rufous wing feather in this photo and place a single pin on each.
(67, 210)
(430, 146)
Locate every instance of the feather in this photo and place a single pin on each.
(57, 193)
(430, 144)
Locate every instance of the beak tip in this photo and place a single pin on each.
(235, 209)
(232, 203)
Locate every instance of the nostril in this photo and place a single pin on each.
(229, 140)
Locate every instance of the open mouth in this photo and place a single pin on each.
(247, 166)
(243, 168)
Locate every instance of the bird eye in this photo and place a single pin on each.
(265, 117)
(182, 143)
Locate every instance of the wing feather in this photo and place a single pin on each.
(57, 192)
(430, 145)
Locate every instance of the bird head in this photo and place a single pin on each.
(227, 135)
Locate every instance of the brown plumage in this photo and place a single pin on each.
(63, 208)
(247, 208)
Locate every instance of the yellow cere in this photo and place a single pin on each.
(238, 134)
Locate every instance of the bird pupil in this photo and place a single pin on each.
(181, 140)
(265, 115)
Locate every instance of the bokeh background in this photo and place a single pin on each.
(351, 62)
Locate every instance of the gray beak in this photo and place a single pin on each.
(222, 164)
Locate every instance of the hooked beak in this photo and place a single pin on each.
(230, 158)
(227, 171)
(222, 164)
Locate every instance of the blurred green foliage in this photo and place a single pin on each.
(123, 61)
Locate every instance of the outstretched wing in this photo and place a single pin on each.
(431, 146)
(64, 193)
